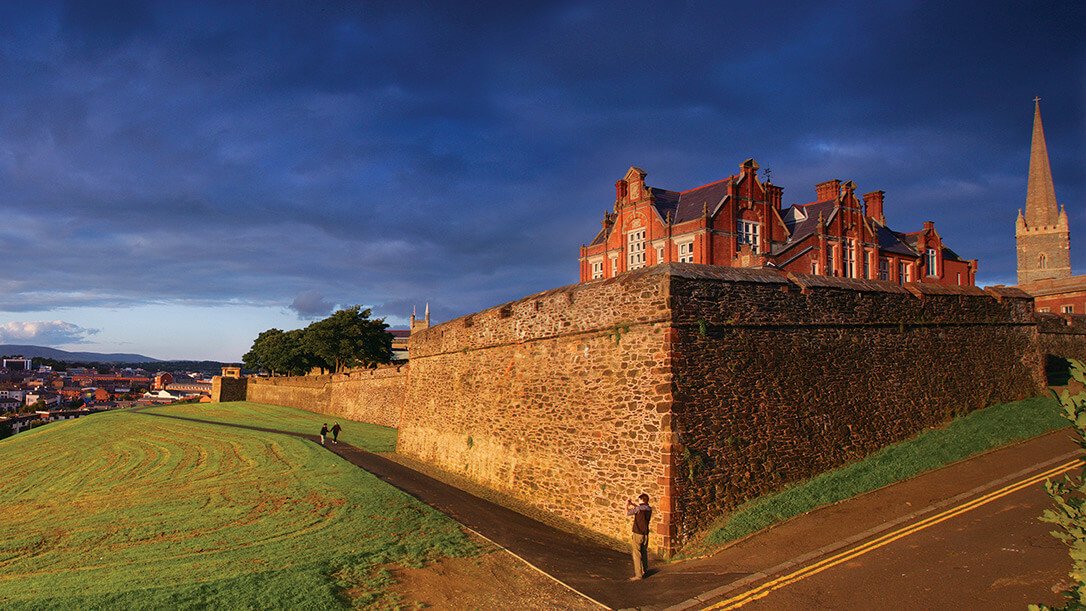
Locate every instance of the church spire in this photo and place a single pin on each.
(1041, 209)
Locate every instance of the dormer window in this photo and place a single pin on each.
(748, 232)
(933, 270)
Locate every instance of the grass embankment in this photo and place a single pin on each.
(125, 509)
(966, 436)
(359, 434)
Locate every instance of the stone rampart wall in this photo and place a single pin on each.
(228, 389)
(366, 395)
(778, 380)
(702, 386)
(559, 400)
(1062, 335)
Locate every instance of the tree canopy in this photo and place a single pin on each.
(348, 338)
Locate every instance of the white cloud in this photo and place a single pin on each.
(44, 332)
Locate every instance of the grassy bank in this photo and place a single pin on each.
(969, 435)
(128, 510)
(370, 437)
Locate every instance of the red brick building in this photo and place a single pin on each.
(739, 222)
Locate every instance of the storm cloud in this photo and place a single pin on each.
(295, 157)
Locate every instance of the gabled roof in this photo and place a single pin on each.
(600, 238)
(689, 205)
(892, 241)
(802, 219)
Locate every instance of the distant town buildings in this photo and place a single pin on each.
(30, 396)
(740, 222)
(1043, 236)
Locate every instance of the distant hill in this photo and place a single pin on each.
(75, 357)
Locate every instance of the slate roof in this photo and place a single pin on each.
(892, 241)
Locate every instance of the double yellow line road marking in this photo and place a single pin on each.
(813, 569)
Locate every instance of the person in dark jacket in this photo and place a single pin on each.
(324, 431)
(335, 432)
(639, 538)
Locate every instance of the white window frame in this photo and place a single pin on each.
(831, 269)
(659, 254)
(686, 251)
(596, 265)
(635, 249)
(933, 263)
(748, 232)
(1044, 309)
(848, 257)
(884, 268)
(814, 268)
(959, 278)
(614, 265)
(1068, 309)
(904, 272)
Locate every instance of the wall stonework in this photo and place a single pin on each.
(777, 380)
(702, 386)
(559, 399)
(1062, 335)
(228, 388)
(366, 395)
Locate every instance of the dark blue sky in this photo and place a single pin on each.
(175, 177)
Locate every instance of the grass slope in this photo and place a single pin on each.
(125, 509)
(370, 437)
(966, 436)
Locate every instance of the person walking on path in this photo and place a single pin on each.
(324, 432)
(639, 538)
(335, 432)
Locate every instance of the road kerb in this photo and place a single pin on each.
(700, 600)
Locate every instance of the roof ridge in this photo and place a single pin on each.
(715, 182)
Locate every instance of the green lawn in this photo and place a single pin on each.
(964, 437)
(125, 509)
(366, 436)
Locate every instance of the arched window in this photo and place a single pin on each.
(1042, 261)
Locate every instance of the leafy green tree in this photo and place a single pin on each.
(1069, 498)
(349, 338)
(264, 351)
(277, 351)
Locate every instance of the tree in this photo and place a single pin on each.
(348, 338)
(1069, 498)
(277, 351)
(264, 351)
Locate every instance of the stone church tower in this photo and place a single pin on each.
(1044, 242)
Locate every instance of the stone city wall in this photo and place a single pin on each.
(702, 386)
(366, 395)
(778, 379)
(559, 400)
(1062, 335)
(228, 388)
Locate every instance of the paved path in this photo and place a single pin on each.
(601, 573)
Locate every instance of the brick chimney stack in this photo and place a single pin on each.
(828, 190)
(873, 206)
(773, 194)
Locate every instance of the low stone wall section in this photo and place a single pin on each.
(365, 395)
(1062, 335)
